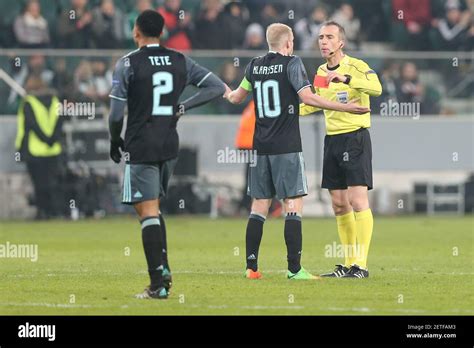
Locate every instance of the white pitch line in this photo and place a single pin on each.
(257, 307)
(217, 272)
(49, 305)
(367, 310)
(217, 307)
(362, 309)
(409, 310)
(272, 307)
(270, 271)
(60, 305)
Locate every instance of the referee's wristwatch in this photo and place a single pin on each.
(348, 80)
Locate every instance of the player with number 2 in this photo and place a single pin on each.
(149, 81)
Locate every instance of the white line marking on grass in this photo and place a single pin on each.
(419, 270)
(49, 305)
(462, 311)
(397, 310)
(59, 305)
(257, 307)
(270, 271)
(246, 307)
(272, 307)
(217, 272)
(362, 309)
(408, 310)
(68, 274)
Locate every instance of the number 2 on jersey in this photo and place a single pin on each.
(162, 84)
(263, 98)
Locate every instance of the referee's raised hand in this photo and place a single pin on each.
(333, 76)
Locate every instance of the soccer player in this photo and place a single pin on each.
(276, 80)
(150, 81)
(347, 165)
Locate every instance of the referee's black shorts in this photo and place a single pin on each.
(347, 160)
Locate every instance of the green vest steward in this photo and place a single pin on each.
(46, 120)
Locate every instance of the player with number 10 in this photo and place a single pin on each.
(278, 80)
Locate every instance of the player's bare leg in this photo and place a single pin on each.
(294, 238)
(340, 202)
(253, 235)
(358, 197)
(152, 244)
(147, 208)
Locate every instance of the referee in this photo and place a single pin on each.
(278, 81)
(347, 165)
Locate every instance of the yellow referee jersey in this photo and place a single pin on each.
(364, 83)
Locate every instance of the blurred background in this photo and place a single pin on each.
(65, 50)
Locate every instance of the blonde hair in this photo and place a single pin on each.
(277, 35)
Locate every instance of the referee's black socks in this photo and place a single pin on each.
(294, 241)
(253, 238)
(153, 245)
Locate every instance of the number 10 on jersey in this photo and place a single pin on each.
(264, 107)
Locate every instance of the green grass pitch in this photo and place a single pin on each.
(418, 266)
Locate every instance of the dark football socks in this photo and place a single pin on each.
(153, 246)
(165, 243)
(294, 241)
(253, 238)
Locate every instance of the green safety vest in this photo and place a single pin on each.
(46, 120)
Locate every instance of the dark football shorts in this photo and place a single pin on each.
(281, 175)
(347, 160)
(143, 182)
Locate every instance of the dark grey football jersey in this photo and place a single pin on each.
(151, 81)
(276, 80)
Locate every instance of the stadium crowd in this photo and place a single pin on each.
(218, 24)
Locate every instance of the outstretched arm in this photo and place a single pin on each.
(309, 98)
(237, 96)
(308, 109)
(210, 86)
(241, 93)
